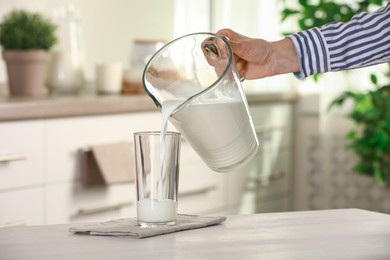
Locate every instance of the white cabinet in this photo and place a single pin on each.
(21, 173)
(268, 184)
(21, 154)
(22, 207)
(65, 137)
(68, 201)
(50, 175)
(201, 190)
(71, 202)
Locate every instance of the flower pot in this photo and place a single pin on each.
(26, 71)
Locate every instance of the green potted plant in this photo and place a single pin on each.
(26, 38)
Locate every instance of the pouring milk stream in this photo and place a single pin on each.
(194, 83)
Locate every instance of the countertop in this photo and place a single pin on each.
(55, 106)
(323, 234)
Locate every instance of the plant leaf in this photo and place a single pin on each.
(374, 79)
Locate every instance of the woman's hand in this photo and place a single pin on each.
(257, 58)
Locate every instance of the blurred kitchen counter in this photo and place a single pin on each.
(57, 106)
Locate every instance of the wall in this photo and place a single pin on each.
(109, 27)
(255, 19)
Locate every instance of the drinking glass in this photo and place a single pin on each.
(157, 175)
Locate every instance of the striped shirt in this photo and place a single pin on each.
(361, 42)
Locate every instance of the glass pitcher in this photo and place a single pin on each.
(194, 78)
(66, 73)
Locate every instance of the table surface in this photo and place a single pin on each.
(324, 234)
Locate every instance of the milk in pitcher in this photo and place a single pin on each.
(220, 131)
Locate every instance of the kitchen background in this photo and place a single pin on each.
(302, 163)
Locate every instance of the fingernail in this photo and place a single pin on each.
(239, 65)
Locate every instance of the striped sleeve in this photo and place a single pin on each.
(361, 42)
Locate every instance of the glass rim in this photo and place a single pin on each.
(151, 133)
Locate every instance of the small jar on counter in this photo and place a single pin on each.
(142, 51)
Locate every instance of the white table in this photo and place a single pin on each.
(327, 234)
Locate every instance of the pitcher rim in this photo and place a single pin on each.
(215, 83)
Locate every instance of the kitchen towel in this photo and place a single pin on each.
(129, 227)
(108, 164)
